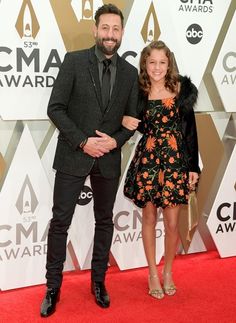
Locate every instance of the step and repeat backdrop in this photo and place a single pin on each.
(35, 35)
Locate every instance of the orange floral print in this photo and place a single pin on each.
(164, 119)
(158, 194)
(166, 202)
(171, 160)
(170, 185)
(172, 142)
(168, 103)
(161, 177)
(144, 160)
(175, 175)
(151, 143)
(145, 175)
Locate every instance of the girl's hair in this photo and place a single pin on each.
(171, 78)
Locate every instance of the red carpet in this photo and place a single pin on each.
(206, 294)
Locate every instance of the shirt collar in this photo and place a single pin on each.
(101, 56)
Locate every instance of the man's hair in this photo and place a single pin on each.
(108, 8)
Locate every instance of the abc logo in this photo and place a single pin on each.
(86, 196)
(194, 34)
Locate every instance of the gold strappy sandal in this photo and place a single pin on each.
(156, 293)
(171, 289)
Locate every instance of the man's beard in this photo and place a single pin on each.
(105, 50)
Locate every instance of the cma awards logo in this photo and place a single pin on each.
(27, 200)
(229, 66)
(128, 227)
(27, 24)
(24, 69)
(226, 214)
(200, 6)
(23, 240)
(151, 30)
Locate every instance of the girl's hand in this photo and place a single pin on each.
(130, 123)
(192, 180)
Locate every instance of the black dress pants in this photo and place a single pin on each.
(67, 189)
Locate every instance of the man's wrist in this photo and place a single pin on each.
(114, 143)
(83, 143)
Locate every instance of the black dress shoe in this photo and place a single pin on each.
(102, 298)
(48, 306)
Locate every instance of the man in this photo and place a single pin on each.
(89, 143)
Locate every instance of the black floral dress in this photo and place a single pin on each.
(158, 171)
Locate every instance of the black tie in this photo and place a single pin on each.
(106, 83)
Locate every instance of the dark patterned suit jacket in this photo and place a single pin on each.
(75, 107)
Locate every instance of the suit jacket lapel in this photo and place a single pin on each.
(93, 70)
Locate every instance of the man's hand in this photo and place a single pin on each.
(94, 147)
(130, 123)
(106, 142)
(98, 146)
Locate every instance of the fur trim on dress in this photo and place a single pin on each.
(188, 95)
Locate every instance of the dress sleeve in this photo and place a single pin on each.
(190, 136)
(142, 103)
(186, 101)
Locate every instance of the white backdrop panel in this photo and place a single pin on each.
(28, 64)
(25, 201)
